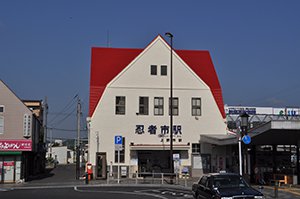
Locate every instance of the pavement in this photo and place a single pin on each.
(65, 175)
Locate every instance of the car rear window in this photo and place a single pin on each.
(228, 181)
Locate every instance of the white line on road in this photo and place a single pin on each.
(121, 192)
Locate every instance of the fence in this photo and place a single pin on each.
(153, 178)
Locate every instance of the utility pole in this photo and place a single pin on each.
(45, 107)
(78, 139)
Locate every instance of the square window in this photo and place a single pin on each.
(153, 70)
(163, 70)
(196, 148)
(1, 109)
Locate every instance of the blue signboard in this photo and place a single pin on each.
(118, 140)
(246, 139)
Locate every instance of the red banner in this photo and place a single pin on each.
(15, 145)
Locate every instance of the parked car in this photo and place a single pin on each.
(224, 186)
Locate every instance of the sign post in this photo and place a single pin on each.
(118, 147)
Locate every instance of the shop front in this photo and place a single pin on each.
(13, 163)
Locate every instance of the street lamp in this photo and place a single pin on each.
(243, 131)
(168, 34)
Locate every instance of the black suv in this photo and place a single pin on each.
(224, 186)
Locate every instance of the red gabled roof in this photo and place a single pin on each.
(107, 63)
(200, 62)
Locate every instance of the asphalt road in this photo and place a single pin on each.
(87, 192)
(61, 182)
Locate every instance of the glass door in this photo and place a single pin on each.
(8, 169)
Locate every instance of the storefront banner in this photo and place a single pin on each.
(15, 145)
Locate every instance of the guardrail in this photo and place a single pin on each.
(152, 178)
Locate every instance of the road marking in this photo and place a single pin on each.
(172, 192)
(5, 189)
(120, 192)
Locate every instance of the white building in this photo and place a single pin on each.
(129, 97)
(61, 154)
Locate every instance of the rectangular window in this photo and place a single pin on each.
(1, 109)
(175, 106)
(196, 148)
(143, 106)
(196, 106)
(122, 153)
(153, 69)
(163, 70)
(120, 105)
(1, 124)
(158, 106)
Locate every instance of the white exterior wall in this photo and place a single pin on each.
(61, 154)
(135, 81)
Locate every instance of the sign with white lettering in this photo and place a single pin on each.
(118, 140)
(15, 145)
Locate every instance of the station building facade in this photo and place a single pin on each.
(129, 97)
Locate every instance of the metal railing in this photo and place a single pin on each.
(152, 178)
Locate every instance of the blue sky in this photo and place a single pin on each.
(45, 45)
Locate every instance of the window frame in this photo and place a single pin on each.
(119, 106)
(164, 70)
(144, 106)
(196, 148)
(158, 108)
(175, 108)
(196, 107)
(153, 69)
(3, 108)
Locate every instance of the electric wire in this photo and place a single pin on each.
(69, 105)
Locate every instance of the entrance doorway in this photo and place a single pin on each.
(154, 161)
(10, 169)
(101, 166)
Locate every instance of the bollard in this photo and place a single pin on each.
(162, 178)
(185, 180)
(136, 177)
(86, 178)
(276, 189)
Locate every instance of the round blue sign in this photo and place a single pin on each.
(246, 139)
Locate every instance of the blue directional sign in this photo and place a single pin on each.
(118, 140)
(246, 139)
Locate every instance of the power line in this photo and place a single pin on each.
(64, 110)
(68, 130)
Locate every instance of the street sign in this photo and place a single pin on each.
(118, 147)
(118, 140)
(246, 139)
